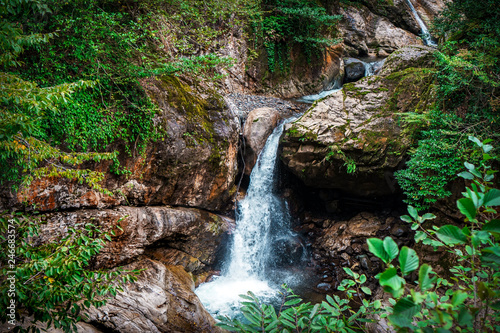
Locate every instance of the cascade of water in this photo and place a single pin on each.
(259, 212)
(426, 36)
(370, 69)
(333, 87)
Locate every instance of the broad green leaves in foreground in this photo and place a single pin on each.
(422, 301)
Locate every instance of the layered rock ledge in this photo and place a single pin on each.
(354, 140)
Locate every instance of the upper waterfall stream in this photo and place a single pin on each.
(426, 35)
(261, 238)
(371, 67)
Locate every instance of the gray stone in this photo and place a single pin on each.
(259, 125)
(354, 69)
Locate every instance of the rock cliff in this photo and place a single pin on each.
(353, 139)
(193, 163)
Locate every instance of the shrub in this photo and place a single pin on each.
(53, 282)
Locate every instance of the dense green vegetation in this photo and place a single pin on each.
(106, 48)
(285, 24)
(52, 282)
(71, 93)
(467, 99)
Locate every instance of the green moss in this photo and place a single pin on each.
(199, 113)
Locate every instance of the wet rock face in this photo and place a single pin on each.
(429, 9)
(368, 33)
(161, 300)
(354, 69)
(166, 243)
(351, 140)
(340, 242)
(174, 236)
(193, 165)
(259, 125)
(304, 78)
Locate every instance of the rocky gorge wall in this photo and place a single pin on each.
(174, 209)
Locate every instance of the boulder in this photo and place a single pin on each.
(161, 300)
(193, 164)
(366, 33)
(160, 232)
(352, 140)
(259, 125)
(354, 69)
(341, 235)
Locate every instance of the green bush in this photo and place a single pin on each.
(285, 24)
(54, 284)
(433, 164)
(467, 97)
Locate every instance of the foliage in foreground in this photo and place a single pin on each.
(53, 282)
(469, 301)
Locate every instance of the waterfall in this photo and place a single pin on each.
(426, 36)
(334, 86)
(370, 69)
(373, 67)
(261, 220)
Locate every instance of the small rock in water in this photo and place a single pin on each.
(324, 287)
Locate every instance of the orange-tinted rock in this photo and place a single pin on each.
(197, 233)
(194, 164)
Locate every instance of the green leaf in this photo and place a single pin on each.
(451, 235)
(458, 298)
(425, 280)
(475, 140)
(413, 212)
(406, 218)
(491, 255)
(466, 175)
(390, 278)
(293, 302)
(408, 260)
(428, 216)
(348, 271)
(420, 236)
(469, 166)
(484, 292)
(492, 226)
(391, 248)
(366, 290)
(464, 317)
(376, 246)
(403, 312)
(467, 207)
(492, 198)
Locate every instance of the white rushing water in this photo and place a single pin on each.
(370, 69)
(334, 87)
(259, 212)
(426, 36)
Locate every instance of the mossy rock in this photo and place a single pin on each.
(354, 139)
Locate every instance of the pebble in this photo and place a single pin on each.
(243, 104)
